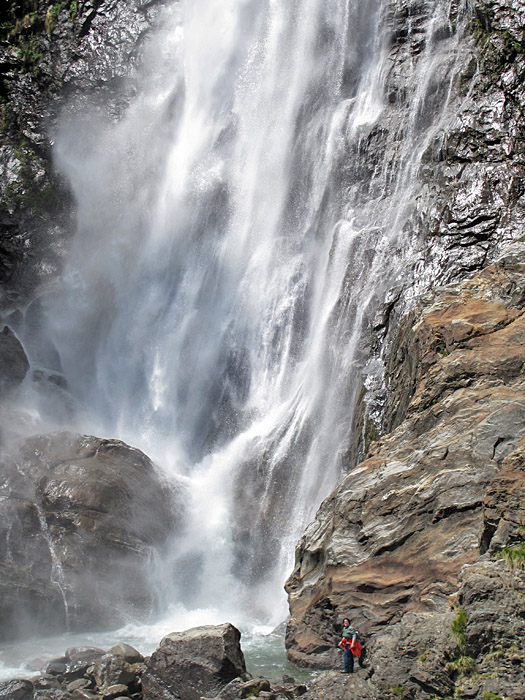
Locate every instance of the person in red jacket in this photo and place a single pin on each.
(348, 641)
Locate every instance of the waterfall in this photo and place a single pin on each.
(237, 236)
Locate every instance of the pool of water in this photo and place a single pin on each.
(264, 652)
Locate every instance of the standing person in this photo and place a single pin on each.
(348, 635)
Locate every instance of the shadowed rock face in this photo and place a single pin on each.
(429, 510)
(49, 52)
(80, 520)
(13, 361)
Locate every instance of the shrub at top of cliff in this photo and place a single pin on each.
(20, 29)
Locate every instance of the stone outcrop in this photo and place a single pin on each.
(13, 361)
(51, 52)
(436, 503)
(80, 520)
(467, 202)
(83, 673)
(198, 662)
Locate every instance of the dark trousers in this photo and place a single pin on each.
(348, 661)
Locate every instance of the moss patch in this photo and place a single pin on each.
(459, 627)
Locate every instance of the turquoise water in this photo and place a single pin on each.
(265, 654)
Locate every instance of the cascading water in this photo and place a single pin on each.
(235, 241)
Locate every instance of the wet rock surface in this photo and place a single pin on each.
(74, 54)
(438, 500)
(51, 52)
(468, 202)
(80, 518)
(13, 361)
(417, 534)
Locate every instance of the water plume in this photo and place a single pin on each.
(239, 229)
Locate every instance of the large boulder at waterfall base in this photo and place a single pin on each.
(80, 520)
(192, 664)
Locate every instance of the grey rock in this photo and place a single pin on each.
(79, 684)
(80, 658)
(84, 694)
(13, 361)
(16, 690)
(57, 667)
(46, 682)
(116, 691)
(334, 685)
(131, 655)
(76, 518)
(188, 665)
(113, 671)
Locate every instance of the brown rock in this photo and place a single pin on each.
(254, 687)
(116, 691)
(79, 684)
(433, 506)
(85, 694)
(489, 301)
(131, 655)
(111, 671)
(504, 502)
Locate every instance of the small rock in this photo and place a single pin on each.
(79, 684)
(112, 670)
(45, 682)
(90, 654)
(83, 694)
(57, 667)
(16, 689)
(254, 687)
(131, 655)
(115, 691)
(13, 361)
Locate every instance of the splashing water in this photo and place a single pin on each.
(235, 239)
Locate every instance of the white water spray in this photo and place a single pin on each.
(234, 241)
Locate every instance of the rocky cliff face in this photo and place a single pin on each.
(52, 53)
(413, 545)
(469, 203)
(425, 522)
